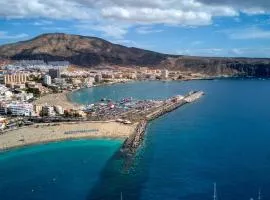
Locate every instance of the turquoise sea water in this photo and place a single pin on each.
(222, 138)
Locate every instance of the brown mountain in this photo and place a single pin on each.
(91, 52)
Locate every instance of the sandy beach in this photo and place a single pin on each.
(57, 99)
(42, 133)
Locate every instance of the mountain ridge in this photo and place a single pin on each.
(86, 51)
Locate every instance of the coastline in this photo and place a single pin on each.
(45, 133)
(51, 132)
(63, 99)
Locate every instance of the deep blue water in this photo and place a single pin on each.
(222, 138)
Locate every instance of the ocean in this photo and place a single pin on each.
(223, 138)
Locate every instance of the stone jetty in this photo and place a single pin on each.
(134, 140)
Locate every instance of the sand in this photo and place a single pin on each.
(57, 99)
(42, 133)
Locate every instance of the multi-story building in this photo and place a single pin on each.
(3, 123)
(98, 78)
(76, 81)
(3, 109)
(88, 82)
(23, 96)
(108, 75)
(48, 111)
(33, 84)
(130, 75)
(165, 74)
(47, 80)
(16, 78)
(37, 109)
(118, 75)
(59, 81)
(20, 109)
(59, 110)
(55, 73)
(19, 86)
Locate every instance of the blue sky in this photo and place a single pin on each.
(191, 27)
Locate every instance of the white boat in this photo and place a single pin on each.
(215, 192)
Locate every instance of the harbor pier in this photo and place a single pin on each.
(133, 142)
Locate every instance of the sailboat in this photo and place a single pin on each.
(259, 195)
(215, 192)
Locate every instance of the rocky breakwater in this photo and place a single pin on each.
(133, 142)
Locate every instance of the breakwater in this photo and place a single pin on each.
(132, 143)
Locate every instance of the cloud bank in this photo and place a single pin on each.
(179, 12)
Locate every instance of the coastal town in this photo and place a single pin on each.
(34, 97)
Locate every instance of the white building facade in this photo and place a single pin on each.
(47, 80)
(21, 109)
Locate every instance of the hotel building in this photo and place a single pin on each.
(17, 78)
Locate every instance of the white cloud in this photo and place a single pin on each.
(147, 30)
(157, 15)
(237, 52)
(248, 33)
(42, 23)
(250, 52)
(131, 43)
(196, 43)
(6, 36)
(201, 52)
(114, 30)
(234, 52)
(246, 6)
(111, 30)
(180, 12)
(188, 13)
(54, 29)
(55, 9)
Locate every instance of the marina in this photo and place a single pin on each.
(134, 141)
(131, 110)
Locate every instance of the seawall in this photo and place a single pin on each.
(132, 143)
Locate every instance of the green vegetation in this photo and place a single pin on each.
(34, 78)
(35, 91)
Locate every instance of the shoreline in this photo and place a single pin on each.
(54, 132)
(64, 100)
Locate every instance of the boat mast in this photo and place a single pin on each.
(259, 195)
(215, 192)
(121, 196)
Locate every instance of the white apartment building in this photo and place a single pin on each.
(21, 109)
(59, 110)
(48, 111)
(165, 74)
(47, 80)
(24, 96)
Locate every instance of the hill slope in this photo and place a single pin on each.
(90, 52)
(79, 50)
